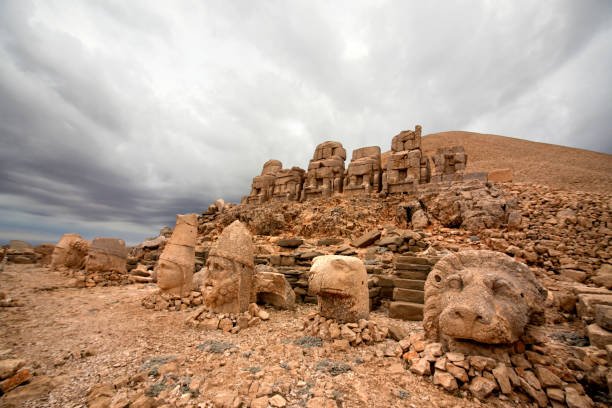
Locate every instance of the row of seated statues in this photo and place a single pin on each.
(399, 170)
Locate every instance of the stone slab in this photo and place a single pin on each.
(416, 284)
(409, 295)
(406, 311)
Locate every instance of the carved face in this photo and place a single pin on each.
(483, 296)
(221, 283)
(484, 306)
(169, 275)
(341, 288)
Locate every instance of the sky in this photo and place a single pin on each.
(117, 115)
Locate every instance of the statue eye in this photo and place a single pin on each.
(502, 287)
(455, 282)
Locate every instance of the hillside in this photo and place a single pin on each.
(532, 162)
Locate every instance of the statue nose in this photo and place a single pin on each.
(470, 315)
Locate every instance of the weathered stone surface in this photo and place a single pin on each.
(406, 311)
(421, 366)
(449, 164)
(446, 380)
(483, 296)
(288, 184)
(44, 253)
(177, 262)
(598, 336)
(366, 239)
(274, 289)
(106, 255)
(482, 387)
(500, 176)
(262, 187)
(340, 284)
(364, 173)
(19, 377)
(228, 283)
(603, 316)
(503, 378)
(405, 166)
(290, 242)
(9, 367)
(69, 252)
(547, 378)
(325, 171)
(474, 205)
(603, 276)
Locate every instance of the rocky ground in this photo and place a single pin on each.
(78, 339)
(99, 346)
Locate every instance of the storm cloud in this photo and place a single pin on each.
(115, 116)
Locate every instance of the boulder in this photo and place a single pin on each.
(273, 288)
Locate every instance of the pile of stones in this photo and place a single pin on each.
(161, 300)
(362, 332)
(227, 322)
(530, 375)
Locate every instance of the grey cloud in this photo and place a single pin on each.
(115, 116)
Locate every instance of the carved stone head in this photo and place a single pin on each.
(481, 296)
(177, 262)
(340, 284)
(228, 283)
(61, 253)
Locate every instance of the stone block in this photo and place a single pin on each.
(500, 176)
(598, 336)
(406, 311)
(409, 295)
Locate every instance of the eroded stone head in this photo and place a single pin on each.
(106, 255)
(70, 252)
(340, 284)
(228, 283)
(177, 262)
(481, 296)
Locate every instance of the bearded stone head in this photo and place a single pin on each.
(481, 296)
(228, 282)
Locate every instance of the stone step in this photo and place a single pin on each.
(412, 275)
(412, 260)
(412, 267)
(409, 295)
(416, 284)
(406, 311)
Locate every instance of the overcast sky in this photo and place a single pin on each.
(117, 115)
